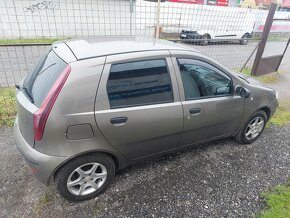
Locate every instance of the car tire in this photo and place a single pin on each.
(85, 177)
(251, 131)
(245, 39)
(206, 39)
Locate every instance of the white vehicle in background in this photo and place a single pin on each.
(206, 36)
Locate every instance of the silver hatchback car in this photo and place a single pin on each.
(92, 106)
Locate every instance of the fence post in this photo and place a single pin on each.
(157, 32)
(265, 34)
(131, 12)
(17, 20)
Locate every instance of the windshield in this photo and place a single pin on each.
(41, 78)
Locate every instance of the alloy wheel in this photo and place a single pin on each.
(254, 128)
(87, 179)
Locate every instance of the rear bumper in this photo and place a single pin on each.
(41, 165)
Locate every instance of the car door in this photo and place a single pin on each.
(138, 109)
(211, 110)
(228, 32)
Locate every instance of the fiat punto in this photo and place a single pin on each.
(92, 106)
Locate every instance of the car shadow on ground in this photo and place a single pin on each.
(171, 156)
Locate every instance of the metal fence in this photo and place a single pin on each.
(83, 18)
(221, 29)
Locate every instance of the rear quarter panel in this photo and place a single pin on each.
(75, 106)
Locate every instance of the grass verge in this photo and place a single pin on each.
(25, 41)
(268, 78)
(7, 106)
(281, 116)
(278, 202)
(273, 38)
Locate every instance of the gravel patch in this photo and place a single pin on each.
(218, 179)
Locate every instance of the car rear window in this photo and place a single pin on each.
(41, 78)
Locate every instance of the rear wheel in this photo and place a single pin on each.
(245, 39)
(85, 177)
(252, 129)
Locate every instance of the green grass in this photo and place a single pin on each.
(273, 38)
(278, 202)
(281, 116)
(268, 78)
(277, 38)
(24, 41)
(7, 106)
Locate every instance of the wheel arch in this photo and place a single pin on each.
(56, 170)
(238, 135)
(266, 110)
(207, 34)
(246, 34)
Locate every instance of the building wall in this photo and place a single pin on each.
(64, 18)
(83, 18)
(177, 16)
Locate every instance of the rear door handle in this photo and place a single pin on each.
(195, 110)
(119, 120)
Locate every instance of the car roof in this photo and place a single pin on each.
(103, 46)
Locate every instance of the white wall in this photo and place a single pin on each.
(64, 18)
(81, 18)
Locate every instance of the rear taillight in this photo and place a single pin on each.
(41, 115)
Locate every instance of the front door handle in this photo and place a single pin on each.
(196, 110)
(119, 120)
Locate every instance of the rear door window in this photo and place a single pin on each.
(42, 77)
(139, 83)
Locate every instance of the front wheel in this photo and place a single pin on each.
(85, 177)
(245, 39)
(252, 129)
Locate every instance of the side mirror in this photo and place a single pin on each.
(243, 92)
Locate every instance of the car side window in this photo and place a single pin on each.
(139, 83)
(201, 81)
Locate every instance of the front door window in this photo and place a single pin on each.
(202, 81)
